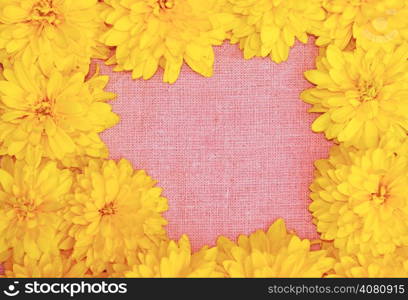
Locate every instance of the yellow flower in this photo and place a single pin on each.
(270, 27)
(47, 266)
(275, 253)
(373, 23)
(31, 200)
(99, 49)
(360, 199)
(56, 117)
(50, 33)
(152, 33)
(361, 96)
(172, 259)
(358, 265)
(114, 212)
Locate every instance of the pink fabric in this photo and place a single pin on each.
(232, 152)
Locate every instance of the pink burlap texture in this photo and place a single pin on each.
(232, 152)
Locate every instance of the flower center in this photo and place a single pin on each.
(45, 12)
(381, 196)
(108, 209)
(44, 108)
(23, 208)
(166, 4)
(368, 92)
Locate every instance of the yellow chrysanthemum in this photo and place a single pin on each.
(50, 33)
(56, 117)
(100, 50)
(270, 27)
(172, 259)
(30, 203)
(360, 199)
(114, 212)
(152, 33)
(358, 265)
(373, 23)
(362, 95)
(47, 266)
(275, 253)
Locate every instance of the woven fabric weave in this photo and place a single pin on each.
(232, 152)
